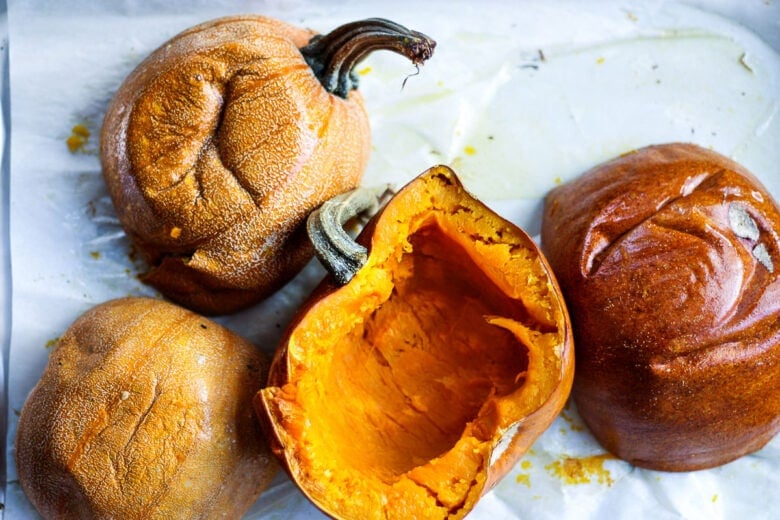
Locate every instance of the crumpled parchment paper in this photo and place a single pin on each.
(519, 97)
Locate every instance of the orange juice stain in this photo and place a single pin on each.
(574, 424)
(573, 470)
(469, 150)
(79, 135)
(524, 478)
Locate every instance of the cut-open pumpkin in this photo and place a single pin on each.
(412, 389)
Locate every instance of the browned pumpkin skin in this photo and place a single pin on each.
(145, 411)
(675, 307)
(215, 149)
(413, 389)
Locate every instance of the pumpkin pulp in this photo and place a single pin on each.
(398, 385)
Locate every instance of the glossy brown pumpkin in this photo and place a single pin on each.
(669, 260)
(411, 390)
(145, 411)
(220, 143)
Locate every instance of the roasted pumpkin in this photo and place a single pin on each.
(412, 389)
(145, 411)
(220, 143)
(668, 258)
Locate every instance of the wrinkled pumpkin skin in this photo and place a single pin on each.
(411, 390)
(215, 149)
(144, 411)
(675, 309)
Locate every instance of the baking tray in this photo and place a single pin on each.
(519, 97)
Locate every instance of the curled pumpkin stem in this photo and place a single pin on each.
(333, 56)
(336, 250)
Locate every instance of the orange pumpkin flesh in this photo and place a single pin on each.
(409, 391)
(220, 143)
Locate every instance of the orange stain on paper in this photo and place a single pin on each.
(574, 424)
(79, 135)
(524, 478)
(582, 470)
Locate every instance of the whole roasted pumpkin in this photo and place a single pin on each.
(219, 144)
(145, 411)
(411, 390)
(668, 259)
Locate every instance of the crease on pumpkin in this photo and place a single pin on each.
(600, 245)
(93, 430)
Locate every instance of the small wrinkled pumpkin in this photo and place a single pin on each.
(669, 258)
(145, 411)
(412, 389)
(219, 144)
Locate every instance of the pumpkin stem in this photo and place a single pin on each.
(336, 250)
(333, 56)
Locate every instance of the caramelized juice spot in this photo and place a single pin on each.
(79, 135)
(582, 470)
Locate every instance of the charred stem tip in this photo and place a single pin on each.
(420, 47)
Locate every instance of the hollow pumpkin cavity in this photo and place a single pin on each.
(400, 384)
(426, 362)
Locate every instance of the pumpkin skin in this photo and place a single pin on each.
(215, 149)
(675, 309)
(145, 411)
(411, 390)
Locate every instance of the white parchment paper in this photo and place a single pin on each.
(519, 96)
